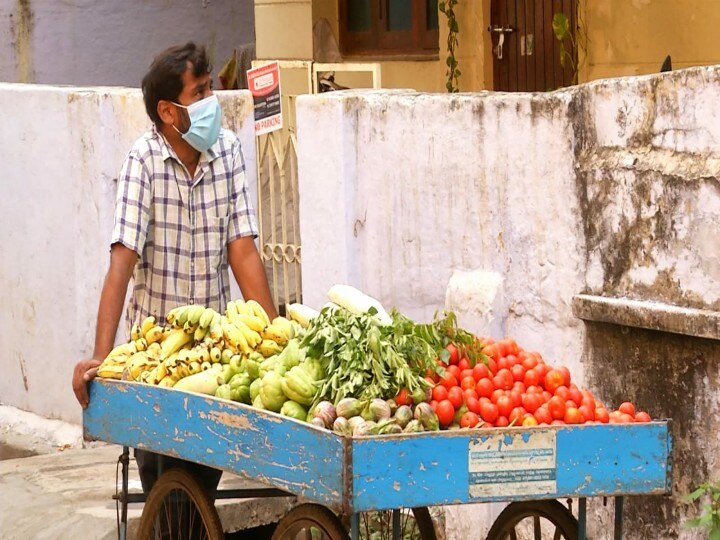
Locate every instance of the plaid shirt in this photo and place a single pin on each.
(180, 226)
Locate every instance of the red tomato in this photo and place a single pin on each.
(484, 388)
(529, 362)
(573, 416)
(627, 408)
(430, 374)
(403, 398)
(531, 402)
(445, 412)
(492, 366)
(601, 415)
(439, 393)
(530, 421)
(470, 393)
(562, 391)
(502, 362)
(509, 346)
(469, 420)
(533, 390)
(465, 373)
(557, 408)
(489, 412)
(519, 385)
(497, 394)
(531, 378)
(542, 415)
(569, 403)
(434, 404)
(492, 351)
(455, 396)
(467, 383)
(455, 371)
(575, 394)
(473, 404)
(516, 397)
(642, 417)
(587, 412)
(553, 380)
(542, 370)
(518, 372)
(480, 371)
(557, 423)
(566, 375)
(516, 416)
(512, 360)
(502, 422)
(546, 396)
(464, 364)
(506, 374)
(627, 419)
(454, 353)
(448, 380)
(588, 400)
(504, 405)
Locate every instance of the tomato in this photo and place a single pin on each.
(497, 394)
(434, 404)
(557, 423)
(439, 393)
(502, 422)
(464, 364)
(465, 373)
(473, 404)
(575, 394)
(529, 362)
(489, 412)
(448, 380)
(469, 420)
(430, 374)
(557, 408)
(627, 408)
(533, 390)
(530, 421)
(445, 412)
(502, 363)
(455, 371)
(506, 374)
(455, 396)
(570, 403)
(492, 366)
(467, 383)
(484, 388)
(546, 396)
(642, 417)
(516, 397)
(518, 372)
(565, 373)
(492, 351)
(480, 371)
(504, 405)
(587, 412)
(531, 402)
(627, 419)
(601, 415)
(512, 361)
(562, 391)
(588, 400)
(553, 380)
(573, 416)
(403, 398)
(454, 353)
(470, 393)
(542, 370)
(531, 378)
(516, 416)
(542, 415)
(509, 346)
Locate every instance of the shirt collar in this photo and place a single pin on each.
(167, 151)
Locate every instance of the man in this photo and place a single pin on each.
(182, 216)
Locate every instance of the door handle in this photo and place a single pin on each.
(495, 29)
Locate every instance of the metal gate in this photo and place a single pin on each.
(526, 52)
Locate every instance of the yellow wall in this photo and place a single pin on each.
(632, 37)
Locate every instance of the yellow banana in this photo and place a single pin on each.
(200, 333)
(124, 349)
(194, 314)
(215, 355)
(193, 356)
(243, 308)
(147, 325)
(135, 332)
(167, 382)
(174, 341)
(182, 315)
(141, 344)
(251, 321)
(276, 333)
(251, 336)
(154, 335)
(258, 310)
(269, 348)
(207, 317)
(194, 367)
(110, 371)
(203, 354)
(205, 366)
(225, 356)
(189, 328)
(234, 336)
(231, 310)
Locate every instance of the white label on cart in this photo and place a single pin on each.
(513, 464)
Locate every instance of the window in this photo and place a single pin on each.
(380, 27)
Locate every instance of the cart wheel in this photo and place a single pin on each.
(534, 519)
(310, 522)
(177, 508)
(415, 524)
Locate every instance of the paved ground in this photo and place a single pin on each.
(68, 494)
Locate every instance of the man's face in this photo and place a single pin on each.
(194, 89)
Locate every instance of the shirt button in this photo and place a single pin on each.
(192, 301)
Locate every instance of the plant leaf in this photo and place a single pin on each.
(561, 26)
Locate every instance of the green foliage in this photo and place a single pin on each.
(577, 37)
(453, 73)
(710, 516)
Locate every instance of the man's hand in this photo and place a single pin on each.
(85, 371)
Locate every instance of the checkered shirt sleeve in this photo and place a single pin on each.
(132, 208)
(242, 216)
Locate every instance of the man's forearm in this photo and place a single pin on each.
(249, 272)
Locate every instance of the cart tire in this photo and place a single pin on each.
(188, 494)
(422, 529)
(311, 519)
(549, 511)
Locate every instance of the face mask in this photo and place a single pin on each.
(205, 118)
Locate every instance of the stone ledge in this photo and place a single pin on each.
(658, 316)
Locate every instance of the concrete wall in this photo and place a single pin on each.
(105, 42)
(609, 188)
(61, 150)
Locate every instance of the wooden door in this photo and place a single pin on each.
(530, 57)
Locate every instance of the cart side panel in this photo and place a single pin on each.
(509, 464)
(279, 451)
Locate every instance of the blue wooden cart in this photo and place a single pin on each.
(344, 478)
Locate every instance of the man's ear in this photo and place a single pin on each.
(166, 111)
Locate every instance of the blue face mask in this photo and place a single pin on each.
(205, 116)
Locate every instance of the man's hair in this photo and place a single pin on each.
(163, 81)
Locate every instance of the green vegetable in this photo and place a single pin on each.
(255, 389)
(414, 426)
(271, 392)
(403, 415)
(325, 411)
(293, 410)
(341, 426)
(251, 367)
(379, 410)
(257, 402)
(224, 392)
(425, 414)
(299, 385)
(349, 407)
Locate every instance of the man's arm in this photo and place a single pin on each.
(249, 272)
(112, 298)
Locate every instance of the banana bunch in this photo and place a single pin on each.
(144, 337)
(243, 325)
(198, 321)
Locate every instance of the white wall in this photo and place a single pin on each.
(108, 42)
(61, 150)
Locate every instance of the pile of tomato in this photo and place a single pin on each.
(515, 388)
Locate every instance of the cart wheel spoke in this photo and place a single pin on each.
(537, 528)
(528, 519)
(513, 534)
(557, 535)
